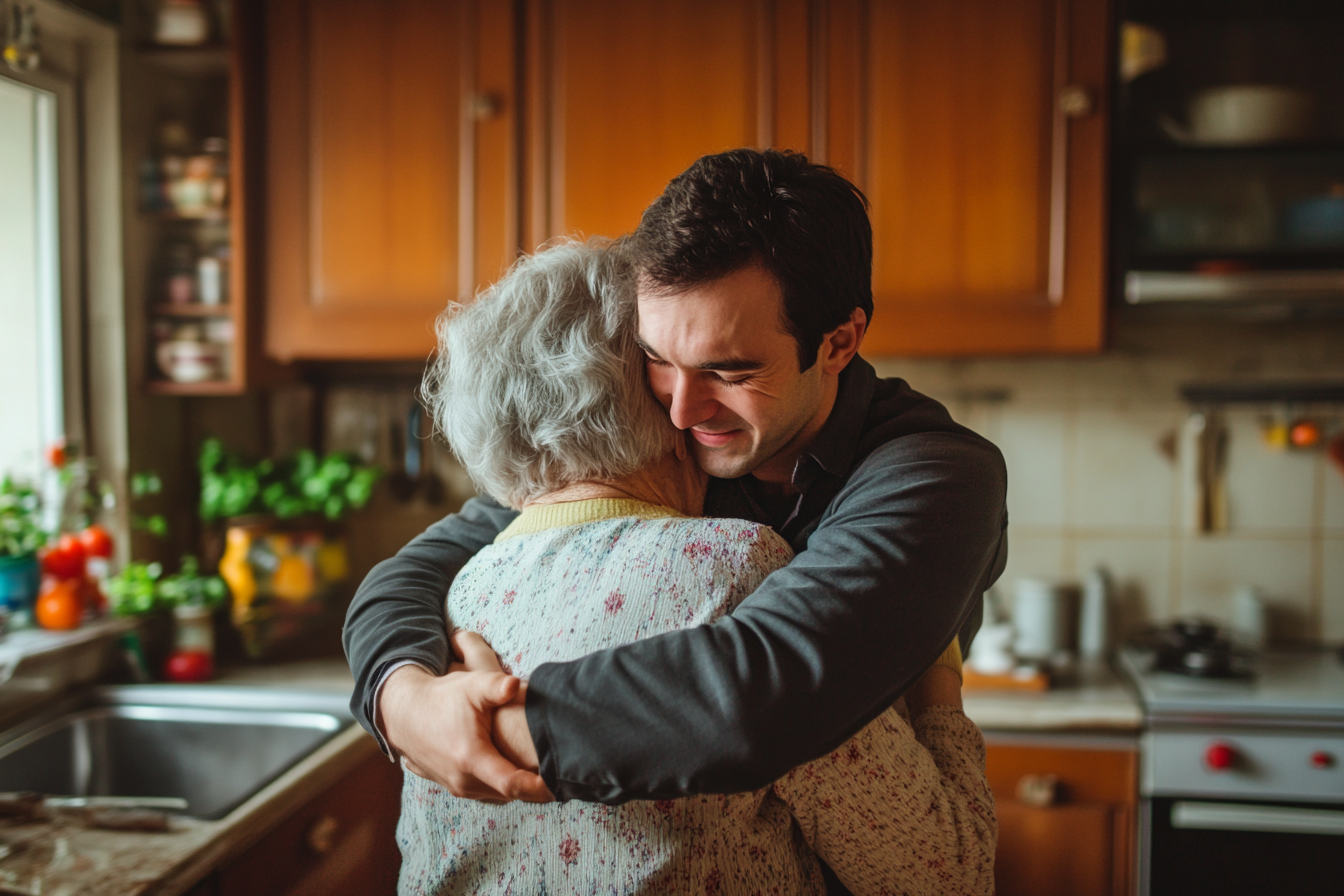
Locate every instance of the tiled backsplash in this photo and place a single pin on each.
(1098, 474)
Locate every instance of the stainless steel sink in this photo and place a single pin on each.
(210, 745)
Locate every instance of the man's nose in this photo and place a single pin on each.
(690, 405)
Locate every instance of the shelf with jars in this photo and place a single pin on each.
(197, 61)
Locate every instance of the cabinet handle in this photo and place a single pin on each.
(1075, 101)
(1040, 790)
(322, 835)
(486, 106)
(1072, 102)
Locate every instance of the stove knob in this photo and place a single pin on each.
(1220, 757)
(1322, 759)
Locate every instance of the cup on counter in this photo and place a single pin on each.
(1042, 611)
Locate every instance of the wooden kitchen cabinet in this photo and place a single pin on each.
(624, 96)
(391, 135)
(977, 129)
(414, 147)
(341, 844)
(1084, 844)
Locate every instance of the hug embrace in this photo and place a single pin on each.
(707, 616)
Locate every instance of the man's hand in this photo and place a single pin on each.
(441, 725)
(510, 733)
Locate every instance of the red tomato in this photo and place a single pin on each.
(56, 454)
(97, 542)
(189, 665)
(65, 559)
(1305, 433)
(60, 605)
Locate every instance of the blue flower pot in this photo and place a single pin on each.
(20, 578)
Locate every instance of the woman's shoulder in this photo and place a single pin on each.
(718, 539)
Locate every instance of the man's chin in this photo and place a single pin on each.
(720, 464)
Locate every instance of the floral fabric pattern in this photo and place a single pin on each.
(884, 811)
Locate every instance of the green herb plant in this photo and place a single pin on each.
(303, 484)
(20, 510)
(142, 588)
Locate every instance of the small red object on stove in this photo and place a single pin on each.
(1322, 759)
(1220, 757)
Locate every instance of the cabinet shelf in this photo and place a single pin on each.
(208, 387)
(193, 309)
(212, 217)
(203, 59)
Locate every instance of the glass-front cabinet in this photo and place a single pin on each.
(1229, 151)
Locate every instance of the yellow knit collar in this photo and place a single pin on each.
(539, 517)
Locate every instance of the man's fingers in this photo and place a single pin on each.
(486, 690)
(494, 773)
(475, 652)
(528, 787)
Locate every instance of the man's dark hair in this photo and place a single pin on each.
(804, 223)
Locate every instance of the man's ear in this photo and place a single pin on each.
(840, 345)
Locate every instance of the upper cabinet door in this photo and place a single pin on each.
(977, 129)
(626, 95)
(390, 138)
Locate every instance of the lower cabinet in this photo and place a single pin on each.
(1067, 814)
(343, 842)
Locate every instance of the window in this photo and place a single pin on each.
(31, 381)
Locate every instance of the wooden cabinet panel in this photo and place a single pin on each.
(626, 95)
(1061, 850)
(1084, 845)
(381, 206)
(341, 844)
(987, 198)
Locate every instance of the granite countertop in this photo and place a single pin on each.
(62, 858)
(1098, 701)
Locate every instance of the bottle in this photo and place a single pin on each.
(209, 280)
(1094, 622)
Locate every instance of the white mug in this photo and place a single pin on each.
(1038, 616)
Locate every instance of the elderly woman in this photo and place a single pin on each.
(540, 388)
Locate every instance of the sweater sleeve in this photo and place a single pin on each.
(897, 564)
(897, 809)
(397, 614)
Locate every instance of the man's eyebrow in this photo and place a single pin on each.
(728, 365)
(647, 349)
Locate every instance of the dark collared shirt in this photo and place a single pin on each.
(899, 528)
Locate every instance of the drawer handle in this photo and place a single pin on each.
(1040, 790)
(322, 835)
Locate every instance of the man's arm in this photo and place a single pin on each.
(397, 613)
(820, 649)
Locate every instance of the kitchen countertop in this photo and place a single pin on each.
(1098, 701)
(63, 859)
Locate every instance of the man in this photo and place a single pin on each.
(754, 295)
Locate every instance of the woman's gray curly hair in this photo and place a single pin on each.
(539, 383)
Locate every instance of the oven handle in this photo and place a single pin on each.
(1242, 817)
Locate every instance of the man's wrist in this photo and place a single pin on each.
(511, 735)
(393, 695)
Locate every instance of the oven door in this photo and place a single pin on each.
(1202, 847)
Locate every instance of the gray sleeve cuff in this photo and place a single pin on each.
(379, 734)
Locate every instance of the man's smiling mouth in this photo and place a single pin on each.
(713, 439)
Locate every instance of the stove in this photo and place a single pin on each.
(1241, 777)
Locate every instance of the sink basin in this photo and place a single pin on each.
(212, 746)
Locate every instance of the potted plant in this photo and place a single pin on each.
(141, 589)
(21, 534)
(284, 557)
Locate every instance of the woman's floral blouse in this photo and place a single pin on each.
(893, 810)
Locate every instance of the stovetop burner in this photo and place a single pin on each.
(1199, 649)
